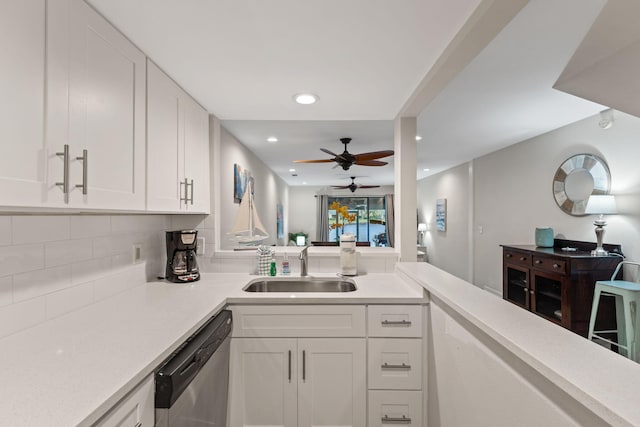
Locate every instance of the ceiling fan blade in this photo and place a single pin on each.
(340, 186)
(329, 152)
(369, 163)
(368, 186)
(314, 161)
(374, 155)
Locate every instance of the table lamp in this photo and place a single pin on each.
(600, 205)
(422, 227)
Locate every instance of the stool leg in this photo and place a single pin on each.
(594, 311)
(621, 322)
(629, 330)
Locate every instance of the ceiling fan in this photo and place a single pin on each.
(346, 159)
(353, 186)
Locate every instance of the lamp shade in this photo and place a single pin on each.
(422, 227)
(601, 205)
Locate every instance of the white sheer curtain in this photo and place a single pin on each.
(388, 198)
(322, 218)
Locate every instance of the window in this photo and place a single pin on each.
(369, 224)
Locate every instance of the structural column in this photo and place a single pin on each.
(405, 191)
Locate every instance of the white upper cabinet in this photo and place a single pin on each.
(95, 102)
(22, 83)
(177, 147)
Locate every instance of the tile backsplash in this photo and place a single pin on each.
(54, 264)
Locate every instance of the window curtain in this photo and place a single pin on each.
(322, 218)
(388, 199)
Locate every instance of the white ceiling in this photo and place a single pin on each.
(244, 60)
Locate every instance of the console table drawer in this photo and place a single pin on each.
(550, 264)
(519, 258)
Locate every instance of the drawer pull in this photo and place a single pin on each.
(392, 420)
(523, 258)
(556, 266)
(526, 289)
(396, 322)
(387, 366)
(538, 261)
(508, 255)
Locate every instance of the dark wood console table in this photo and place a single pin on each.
(558, 285)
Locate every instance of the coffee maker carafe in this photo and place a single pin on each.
(181, 256)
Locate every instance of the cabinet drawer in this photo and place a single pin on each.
(394, 321)
(550, 264)
(298, 321)
(389, 408)
(519, 258)
(395, 363)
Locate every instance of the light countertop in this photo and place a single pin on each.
(72, 369)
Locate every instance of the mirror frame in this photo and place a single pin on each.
(597, 168)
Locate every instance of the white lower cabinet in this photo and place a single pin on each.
(313, 365)
(135, 410)
(390, 407)
(297, 382)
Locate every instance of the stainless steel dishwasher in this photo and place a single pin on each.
(192, 383)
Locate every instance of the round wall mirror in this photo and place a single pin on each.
(576, 179)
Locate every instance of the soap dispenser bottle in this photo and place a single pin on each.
(272, 267)
(285, 265)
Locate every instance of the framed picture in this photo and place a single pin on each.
(240, 179)
(280, 220)
(441, 214)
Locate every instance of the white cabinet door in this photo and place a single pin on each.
(262, 386)
(22, 85)
(136, 409)
(165, 145)
(104, 75)
(196, 156)
(332, 383)
(177, 147)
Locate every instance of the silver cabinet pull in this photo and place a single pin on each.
(191, 192)
(138, 424)
(289, 365)
(65, 171)
(184, 183)
(391, 420)
(396, 322)
(304, 365)
(385, 365)
(85, 171)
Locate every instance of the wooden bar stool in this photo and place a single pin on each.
(627, 300)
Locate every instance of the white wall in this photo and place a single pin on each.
(512, 195)
(448, 250)
(302, 204)
(269, 190)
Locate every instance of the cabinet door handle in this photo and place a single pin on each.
(289, 365)
(526, 289)
(385, 365)
(184, 183)
(391, 420)
(396, 322)
(65, 169)
(191, 192)
(138, 424)
(85, 171)
(304, 365)
(531, 291)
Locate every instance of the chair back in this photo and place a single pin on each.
(637, 276)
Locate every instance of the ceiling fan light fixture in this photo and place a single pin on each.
(305, 98)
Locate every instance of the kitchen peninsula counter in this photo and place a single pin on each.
(72, 369)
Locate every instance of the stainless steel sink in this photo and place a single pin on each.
(300, 284)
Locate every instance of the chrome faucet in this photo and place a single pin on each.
(304, 261)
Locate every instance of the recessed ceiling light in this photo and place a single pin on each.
(304, 182)
(305, 98)
(272, 139)
(418, 138)
(292, 170)
(426, 169)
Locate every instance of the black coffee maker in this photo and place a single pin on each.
(181, 256)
